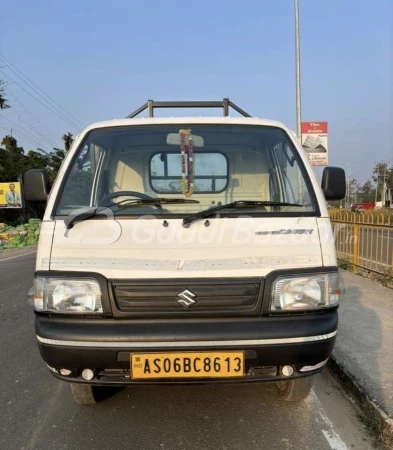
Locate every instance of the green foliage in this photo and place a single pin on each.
(14, 163)
(387, 277)
(3, 101)
(36, 160)
(12, 159)
(22, 235)
(345, 264)
(367, 192)
(68, 139)
(55, 160)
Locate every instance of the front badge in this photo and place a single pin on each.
(186, 298)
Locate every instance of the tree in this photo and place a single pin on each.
(11, 145)
(57, 155)
(352, 191)
(12, 160)
(36, 160)
(68, 139)
(55, 160)
(3, 101)
(382, 173)
(367, 192)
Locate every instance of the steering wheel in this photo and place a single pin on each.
(136, 194)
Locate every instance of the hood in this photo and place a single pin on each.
(163, 248)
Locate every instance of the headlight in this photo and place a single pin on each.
(67, 295)
(306, 292)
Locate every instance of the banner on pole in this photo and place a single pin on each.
(315, 142)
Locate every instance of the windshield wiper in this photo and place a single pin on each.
(154, 201)
(237, 204)
(70, 221)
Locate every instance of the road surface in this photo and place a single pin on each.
(37, 411)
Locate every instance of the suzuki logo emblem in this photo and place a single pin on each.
(186, 298)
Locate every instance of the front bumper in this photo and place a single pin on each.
(105, 345)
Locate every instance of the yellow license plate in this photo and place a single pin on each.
(187, 365)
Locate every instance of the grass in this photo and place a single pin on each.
(387, 278)
(345, 264)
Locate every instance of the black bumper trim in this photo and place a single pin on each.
(153, 332)
(79, 358)
(126, 382)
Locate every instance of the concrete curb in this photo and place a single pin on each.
(372, 413)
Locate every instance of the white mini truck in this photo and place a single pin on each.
(186, 250)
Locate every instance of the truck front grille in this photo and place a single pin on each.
(193, 297)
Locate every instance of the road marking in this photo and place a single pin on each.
(333, 439)
(18, 256)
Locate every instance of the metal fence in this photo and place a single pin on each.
(364, 239)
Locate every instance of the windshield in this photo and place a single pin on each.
(213, 165)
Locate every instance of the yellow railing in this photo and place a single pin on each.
(364, 239)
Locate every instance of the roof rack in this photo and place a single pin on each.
(224, 104)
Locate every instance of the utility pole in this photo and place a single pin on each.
(298, 94)
(376, 187)
(348, 190)
(383, 193)
(297, 62)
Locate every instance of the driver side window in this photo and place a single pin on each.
(78, 188)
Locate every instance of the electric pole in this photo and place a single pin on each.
(348, 190)
(297, 62)
(376, 187)
(383, 193)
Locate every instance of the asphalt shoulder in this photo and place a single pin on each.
(10, 253)
(363, 354)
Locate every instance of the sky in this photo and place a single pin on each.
(101, 60)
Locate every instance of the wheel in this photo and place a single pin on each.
(84, 394)
(295, 390)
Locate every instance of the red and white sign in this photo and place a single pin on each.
(314, 142)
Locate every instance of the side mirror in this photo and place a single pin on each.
(36, 185)
(333, 183)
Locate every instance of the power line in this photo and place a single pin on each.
(17, 134)
(39, 91)
(26, 133)
(4, 127)
(60, 115)
(31, 114)
(23, 134)
(16, 126)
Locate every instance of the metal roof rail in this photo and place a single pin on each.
(224, 104)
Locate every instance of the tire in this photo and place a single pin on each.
(295, 390)
(84, 394)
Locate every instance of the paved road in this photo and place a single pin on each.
(37, 411)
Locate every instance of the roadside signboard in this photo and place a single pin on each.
(314, 142)
(10, 195)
